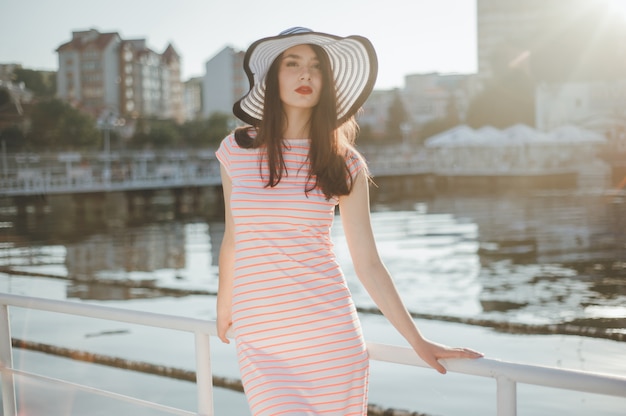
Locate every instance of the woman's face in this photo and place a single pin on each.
(299, 78)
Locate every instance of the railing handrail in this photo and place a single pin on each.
(202, 329)
(45, 182)
(180, 323)
(577, 380)
(506, 374)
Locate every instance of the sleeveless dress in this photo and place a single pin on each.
(298, 337)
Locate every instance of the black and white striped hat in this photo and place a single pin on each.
(352, 59)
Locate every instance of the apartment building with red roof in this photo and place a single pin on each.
(102, 73)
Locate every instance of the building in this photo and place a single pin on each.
(375, 113)
(597, 105)
(224, 82)
(172, 86)
(89, 70)
(101, 72)
(434, 96)
(150, 82)
(192, 98)
(555, 40)
(426, 98)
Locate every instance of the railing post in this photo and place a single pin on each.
(204, 374)
(9, 404)
(507, 396)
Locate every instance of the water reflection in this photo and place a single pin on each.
(144, 249)
(571, 258)
(537, 259)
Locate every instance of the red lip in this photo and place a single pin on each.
(304, 90)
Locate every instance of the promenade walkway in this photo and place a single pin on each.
(73, 173)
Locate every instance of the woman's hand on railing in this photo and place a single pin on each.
(224, 325)
(432, 352)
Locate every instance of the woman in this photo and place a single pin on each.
(298, 337)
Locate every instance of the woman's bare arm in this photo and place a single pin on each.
(226, 265)
(355, 217)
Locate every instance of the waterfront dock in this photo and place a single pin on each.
(392, 363)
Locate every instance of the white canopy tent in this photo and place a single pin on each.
(518, 149)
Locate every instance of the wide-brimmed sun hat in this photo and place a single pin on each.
(353, 62)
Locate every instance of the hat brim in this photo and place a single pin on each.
(353, 63)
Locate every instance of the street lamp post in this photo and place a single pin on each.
(106, 123)
(405, 128)
(107, 152)
(5, 167)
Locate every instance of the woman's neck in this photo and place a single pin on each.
(297, 125)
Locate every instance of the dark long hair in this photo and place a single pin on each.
(330, 143)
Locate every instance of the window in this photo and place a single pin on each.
(91, 65)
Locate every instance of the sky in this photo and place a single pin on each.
(410, 36)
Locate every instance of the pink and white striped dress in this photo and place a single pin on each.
(299, 341)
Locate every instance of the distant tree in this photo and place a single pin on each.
(55, 125)
(194, 132)
(219, 125)
(11, 120)
(503, 104)
(165, 133)
(40, 83)
(440, 125)
(156, 133)
(206, 132)
(396, 117)
(13, 138)
(78, 130)
(5, 99)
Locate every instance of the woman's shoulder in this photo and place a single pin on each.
(229, 140)
(238, 145)
(240, 138)
(352, 154)
(355, 160)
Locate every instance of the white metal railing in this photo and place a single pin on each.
(201, 329)
(46, 183)
(59, 175)
(506, 374)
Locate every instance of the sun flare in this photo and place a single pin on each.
(618, 7)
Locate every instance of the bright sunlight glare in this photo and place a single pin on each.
(619, 7)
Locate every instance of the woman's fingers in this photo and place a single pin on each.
(222, 330)
(447, 352)
(438, 351)
(437, 366)
(468, 353)
(460, 353)
(224, 339)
